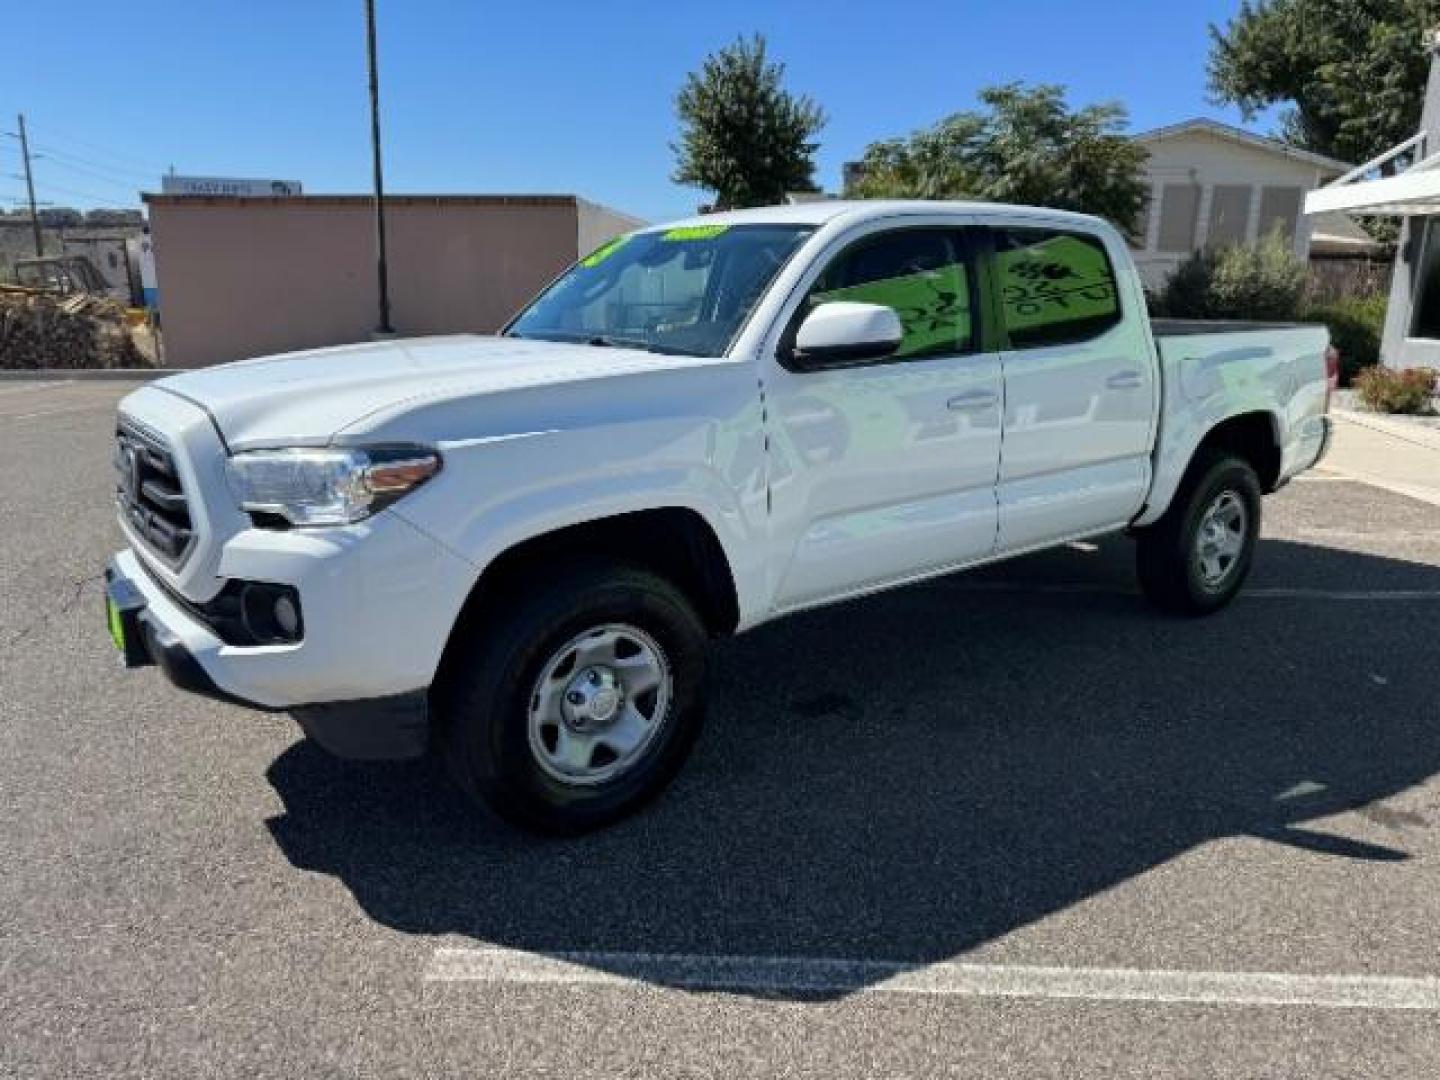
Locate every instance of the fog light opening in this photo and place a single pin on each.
(271, 613)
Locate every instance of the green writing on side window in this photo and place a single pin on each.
(933, 305)
(604, 251)
(694, 232)
(1064, 279)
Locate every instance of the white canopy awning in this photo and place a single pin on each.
(1408, 194)
(1414, 192)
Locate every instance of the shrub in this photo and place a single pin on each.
(1356, 324)
(1262, 281)
(1186, 292)
(1410, 390)
(1265, 281)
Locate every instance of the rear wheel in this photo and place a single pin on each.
(1194, 559)
(578, 703)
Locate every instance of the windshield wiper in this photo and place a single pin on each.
(610, 341)
(606, 341)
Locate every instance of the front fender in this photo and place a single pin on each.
(495, 493)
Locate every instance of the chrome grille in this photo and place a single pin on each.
(149, 493)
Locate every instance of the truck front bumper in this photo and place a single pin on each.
(378, 605)
(146, 641)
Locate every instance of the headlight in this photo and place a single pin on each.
(328, 485)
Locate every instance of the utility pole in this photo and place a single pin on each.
(30, 190)
(382, 276)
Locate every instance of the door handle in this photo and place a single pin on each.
(972, 400)
(1123, 380)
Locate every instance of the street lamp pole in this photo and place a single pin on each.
(381, 268)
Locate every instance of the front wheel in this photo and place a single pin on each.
(579, 701)
(1195, 558)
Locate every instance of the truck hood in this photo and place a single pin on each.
(307, 398)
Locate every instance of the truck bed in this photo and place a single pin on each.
(1213, 370)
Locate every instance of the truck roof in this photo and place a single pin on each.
(823, 211)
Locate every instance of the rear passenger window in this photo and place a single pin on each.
(921, 274)
(1055, 287)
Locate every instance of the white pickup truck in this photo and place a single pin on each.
(516, 548)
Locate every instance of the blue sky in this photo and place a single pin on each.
(532, 97)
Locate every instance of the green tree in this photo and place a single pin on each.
(744, 136)
(1026, 146)
(1352, 72)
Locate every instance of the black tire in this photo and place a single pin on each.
(484, 704)
(1167, 553)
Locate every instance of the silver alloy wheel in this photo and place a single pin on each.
(1220, 539)
(598, 704)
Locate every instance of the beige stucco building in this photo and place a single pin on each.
(241, 276)
(1212, 185)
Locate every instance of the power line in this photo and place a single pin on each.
(89, 195)
(75, 160)
(70, 191)
(129, 184)
(96, 148)
(51, 155)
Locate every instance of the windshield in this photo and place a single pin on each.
(686, 290)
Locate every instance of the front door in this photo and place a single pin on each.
(886, 470)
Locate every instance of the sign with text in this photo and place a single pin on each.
(226, 185)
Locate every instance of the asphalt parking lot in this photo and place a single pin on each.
(1005, 824)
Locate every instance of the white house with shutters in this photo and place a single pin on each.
(1211, 185)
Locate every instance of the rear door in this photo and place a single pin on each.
(886, 470)
(1080, 386)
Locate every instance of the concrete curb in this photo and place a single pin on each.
(84, 374)
(1423, 435)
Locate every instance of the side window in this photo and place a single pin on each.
(1055, 287)
(922, 274)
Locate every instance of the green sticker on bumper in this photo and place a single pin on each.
(117, 624)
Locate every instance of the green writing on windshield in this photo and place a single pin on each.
(604, 251)
(694, 232)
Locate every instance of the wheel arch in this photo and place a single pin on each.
(1253, 436)
(676, 542)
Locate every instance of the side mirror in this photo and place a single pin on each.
(842, 332)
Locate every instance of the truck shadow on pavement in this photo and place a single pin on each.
(908, 777)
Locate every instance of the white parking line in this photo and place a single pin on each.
(1395, 535)
(1272, 593)
(801, 975)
